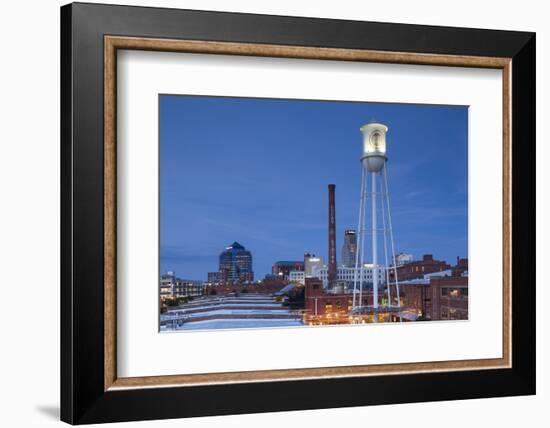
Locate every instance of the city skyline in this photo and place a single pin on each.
(225, 177)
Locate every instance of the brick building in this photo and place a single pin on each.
(449, 298)
(283, 268)
(416, 296)
(322, 307)
(418, 268)
(461, 267)
(434, 298)
(437, 298)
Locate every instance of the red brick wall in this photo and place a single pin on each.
(445, 305)
(417, 297)
(318, 302)
(419, 268)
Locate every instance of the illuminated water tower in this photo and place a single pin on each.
(375, 203)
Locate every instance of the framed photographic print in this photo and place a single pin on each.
(266, 213)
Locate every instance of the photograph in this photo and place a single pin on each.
(296, 213)
(268, 211)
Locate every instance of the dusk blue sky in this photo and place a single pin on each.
(256, 171)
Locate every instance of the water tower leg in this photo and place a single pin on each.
(374, 250)
(358, 244)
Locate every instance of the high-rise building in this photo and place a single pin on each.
(349, 249)
(312, 262)
(236, 264)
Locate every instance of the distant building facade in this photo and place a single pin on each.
(186, 288)
(283, 268)
(297, 276)
(450, 298)
(167, 282)
(461, 268)
(439, 274)
(171, 286)
(437, 298)
(324, 306)
(235, 265)
(312, 262)
(215, 278)
(347, 275)
(403, 258)
(418, 268)
(349, 248)
(319, 304)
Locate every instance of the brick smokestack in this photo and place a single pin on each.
(331, 234)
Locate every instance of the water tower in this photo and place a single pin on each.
(375, 222)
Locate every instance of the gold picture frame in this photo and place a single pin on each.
(114, 43)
